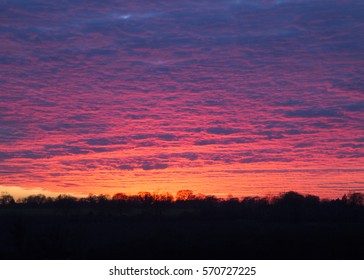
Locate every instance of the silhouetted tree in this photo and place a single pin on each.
(162, 197)
(293, 199)
(199, 196)
(65, 198)
(185, 195)
(250, 200)
(312, 200)
(36, 199)
(145, 198)
(290, 206)
(65, 201)
(356, 199)
(6, 199)
(120, 196)
(90, 199)
(102, 198)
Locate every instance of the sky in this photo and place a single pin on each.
(249, 97)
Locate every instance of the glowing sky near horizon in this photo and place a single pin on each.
(220, 97)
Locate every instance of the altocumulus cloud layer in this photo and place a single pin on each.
(242, 97)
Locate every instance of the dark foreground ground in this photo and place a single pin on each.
(182, 232)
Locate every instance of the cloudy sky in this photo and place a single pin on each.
(249, 97)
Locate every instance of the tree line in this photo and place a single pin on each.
(354, 198)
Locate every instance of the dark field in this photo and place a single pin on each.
(290, 227)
